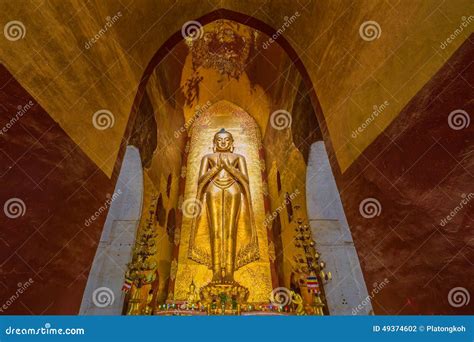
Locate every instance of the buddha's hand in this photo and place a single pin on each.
(223, 163)
(219, 163)
(212, 172)
(227, 164)
(208, 175)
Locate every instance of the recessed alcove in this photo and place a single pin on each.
(260, 97)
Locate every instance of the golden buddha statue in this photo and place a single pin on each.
(192, 296)
(223, 235)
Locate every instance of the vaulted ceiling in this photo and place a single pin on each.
(72, 75)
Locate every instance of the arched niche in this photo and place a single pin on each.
(314, 114)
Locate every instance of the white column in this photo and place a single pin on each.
(103, 295)
(346, 293)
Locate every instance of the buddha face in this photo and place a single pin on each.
(223, 142)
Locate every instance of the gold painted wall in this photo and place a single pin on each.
(216, 87)
(350, 75)
(294, 185)
(165, 164)
(255, 276)
(169, 119)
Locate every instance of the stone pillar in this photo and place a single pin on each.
(346, 293)
(103, 295)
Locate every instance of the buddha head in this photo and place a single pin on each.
(223, 141)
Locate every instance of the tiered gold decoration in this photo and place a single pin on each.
(309, 269)
(141, 271)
